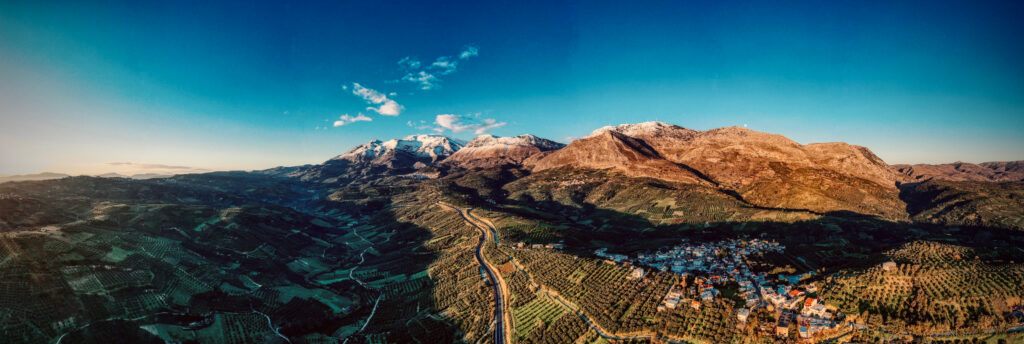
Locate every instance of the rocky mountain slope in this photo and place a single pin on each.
(619, 152)
(763, 169)
(1002, 171)
(487, 151)
(734, 156)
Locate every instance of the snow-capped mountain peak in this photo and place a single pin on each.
(431, 147)
(489, 141)
(636, 129)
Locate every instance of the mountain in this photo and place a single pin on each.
(766, 170)
(489, 151)
(396, 153)
(653, 131)
(1004, 171)
(616, 151)
(395, 156)
(735, 156)
(35, 176)
(760, 170)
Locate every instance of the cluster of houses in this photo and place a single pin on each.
(811, 315)
(719, 262)
(722, 260)
(673, 298)
(557, 246)
(716, 263)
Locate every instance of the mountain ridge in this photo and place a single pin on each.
(486, 151)
(994, 171)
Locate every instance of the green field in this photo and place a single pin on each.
(542, 310)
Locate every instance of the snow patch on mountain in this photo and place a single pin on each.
(635, 129)
(421, 146)
(487, 142)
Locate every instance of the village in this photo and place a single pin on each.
(713, 265)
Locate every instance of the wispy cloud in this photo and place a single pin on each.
(469, 51)
(427, 77)
(346, 119)
(409, 62)
(387, 106)
(444, 65)
(421, 124)
(145, 166)
(426, 80)
(461, 123)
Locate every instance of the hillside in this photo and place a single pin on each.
(763, 169)
(966, 203)
(627, 155)
(1003, 171)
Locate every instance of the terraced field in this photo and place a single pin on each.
(935, 288)
(539, 312)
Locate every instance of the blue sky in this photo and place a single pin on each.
(171, 85)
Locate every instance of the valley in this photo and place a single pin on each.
(642, 233)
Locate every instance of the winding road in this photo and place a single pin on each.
(501, 316)
(597, 328)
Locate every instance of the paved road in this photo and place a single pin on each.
(559, 298)
(499, 297)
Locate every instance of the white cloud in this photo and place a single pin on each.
(458, 124)
(427, 77)
(346, 119)
(444, 65)
(409, 62)
(426, 80)
(470, 51)
(421, 124)
(388, 107)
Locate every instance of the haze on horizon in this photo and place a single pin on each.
(190, 87)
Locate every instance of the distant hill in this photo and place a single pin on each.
(29, 177)
(966, 203)
(999, 171)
